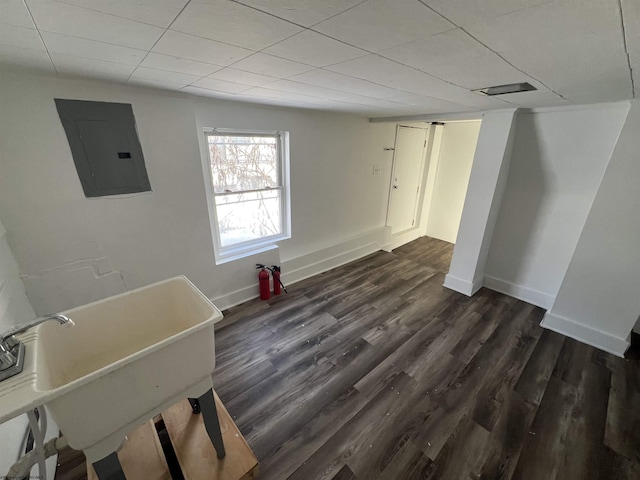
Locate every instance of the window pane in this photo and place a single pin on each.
(243, 163)
(248, 216)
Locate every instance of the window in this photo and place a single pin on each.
(249, 202)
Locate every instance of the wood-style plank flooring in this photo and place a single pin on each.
(375, 371)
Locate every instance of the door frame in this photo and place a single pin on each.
(422, 174)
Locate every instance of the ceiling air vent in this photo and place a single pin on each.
(504, 89)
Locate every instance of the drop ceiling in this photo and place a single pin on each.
(373, 57)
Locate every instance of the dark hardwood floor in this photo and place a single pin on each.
(375, 371)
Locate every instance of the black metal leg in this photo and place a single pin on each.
(211, 421)
(195, 405)
(109, 468)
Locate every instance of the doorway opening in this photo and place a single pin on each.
(429, 179)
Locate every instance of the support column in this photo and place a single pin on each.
(598, 302)
(482, 203)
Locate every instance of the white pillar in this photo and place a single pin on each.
(482, 203)
(599, 299)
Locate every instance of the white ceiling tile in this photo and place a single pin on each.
(548, 25)
(631, 12)
(265, 92)
(20, 37)
(204, 92)
(83, 67)
(14, 12)
(393, 75)
(270, 65)
(148, 83)
(464, 13)
(220, 85)
(56, 17)
(378, 24)
(614, 87)
(302, 12)
(535, 99)
(424, 63)
(314, 49)
(337, 81)
(24, 58)
(448, 47)
(233, 23)
(480, 72)
(634, 59)
(200, 49)
(81, 47)
(633, 44)
(325, 93)
(154, 12)
(180, 65)
(164, 76)
(239, 76)
(593, 56)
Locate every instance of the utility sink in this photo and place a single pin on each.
(127, 358)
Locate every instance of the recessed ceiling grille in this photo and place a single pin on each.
(504, 89)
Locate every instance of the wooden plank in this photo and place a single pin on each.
(141, 456)
(196, 455)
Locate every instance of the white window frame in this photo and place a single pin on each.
(251, 247)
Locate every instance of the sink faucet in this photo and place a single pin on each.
(12, 350)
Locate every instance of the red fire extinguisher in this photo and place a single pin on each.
(263, 280)
(275, 271)
(277, 283)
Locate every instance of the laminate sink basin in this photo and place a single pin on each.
(127, 358)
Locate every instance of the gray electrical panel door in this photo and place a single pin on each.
(105, 147)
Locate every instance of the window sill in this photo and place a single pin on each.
(243, 253)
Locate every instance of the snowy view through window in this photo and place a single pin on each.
(245, 171)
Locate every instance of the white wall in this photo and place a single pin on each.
(14, 310)
(72, 250)
(559, 158)
(599, 299)
(457, 148)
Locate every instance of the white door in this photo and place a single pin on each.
(406, 176)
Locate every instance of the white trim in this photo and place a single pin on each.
(526, 294)
(305, 266)
(438, 117)
(402, 238)
(462, 286)
(585, 334)
(252, 247)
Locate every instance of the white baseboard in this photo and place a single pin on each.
(585, 334)
(462, 286)
(399, 239)
(305, 266)
(529, 295)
